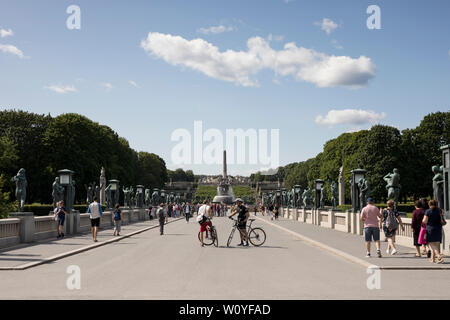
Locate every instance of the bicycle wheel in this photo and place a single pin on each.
(214, 235)
(230, 237)
(257, 237)
(207, 241)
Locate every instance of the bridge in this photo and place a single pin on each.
(300, 260)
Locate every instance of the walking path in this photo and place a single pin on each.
(25, 256)
(352, 247)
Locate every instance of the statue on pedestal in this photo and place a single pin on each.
(306, 196)
(364, 192)
(127, 196)
(323, 196)
(438, 186)
(334, 194)
(101, 193)
(148, 197)
(341, 191)
(21, 188)
(393, 186)
(58, 192)
(90, 192)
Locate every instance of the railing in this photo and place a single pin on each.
(85, 221)
(44, 224)
(9, 227)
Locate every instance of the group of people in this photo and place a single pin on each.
(205, 213)
(427, 222)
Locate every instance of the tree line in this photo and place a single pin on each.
(43, 145)
(378, 150)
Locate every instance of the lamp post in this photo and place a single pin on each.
(318, 184)
(357, 174)
(66, 181)
(446, 173)
(278, 197)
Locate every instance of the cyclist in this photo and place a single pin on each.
(204, 218)
(243, 216)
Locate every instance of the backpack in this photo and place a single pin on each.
(391, 220)
(160, 213)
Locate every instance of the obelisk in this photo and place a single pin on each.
(224, 170)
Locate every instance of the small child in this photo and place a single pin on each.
(117, 220)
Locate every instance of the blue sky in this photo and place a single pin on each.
(394, 76)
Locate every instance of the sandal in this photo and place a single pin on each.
(418, 255)
(440, 260)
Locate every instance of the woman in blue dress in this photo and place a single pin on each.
(434, 220)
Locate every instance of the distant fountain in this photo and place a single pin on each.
(224, 190)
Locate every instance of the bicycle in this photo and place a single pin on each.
(256, 236)
(212, 239)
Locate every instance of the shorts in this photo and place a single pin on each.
(389, 233)
(95, 222)
(242, 225)
(61, 221)
(204, 225)
(371, 232)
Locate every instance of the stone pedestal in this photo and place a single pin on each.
(76, 221)
(26, 228)
(446, 238)
(69, 224)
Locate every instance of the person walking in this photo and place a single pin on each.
(187, 211)
(95, 213)
(117, 219)
(369, 215)
(416, 223)
(149, 210)
(60, 214)
(391, 220)
(161, 214)
(434, 221)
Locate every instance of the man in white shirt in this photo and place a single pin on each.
(204, 216)
(95, 213)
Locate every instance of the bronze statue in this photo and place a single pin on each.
(364, 192)
(334, 194)
(393, 186)
(58, 192)
(438, 186)
(21, 188)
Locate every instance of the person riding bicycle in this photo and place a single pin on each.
(204, 218)
(243, 215)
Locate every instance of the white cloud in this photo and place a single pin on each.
(350, 116)
(327, 25)
(5, 33)
(238, 66)
(133, 83)
(8, 48)
(215, 29)
(61, 89)
(272, 37)
(108, 86)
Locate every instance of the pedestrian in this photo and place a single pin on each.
(416, 223)
(187, 211)
(161, 214)
(150, 208)
(276, 211)
(391, 219)
(60, 218)
(369, 215)
(95, 213)
(255, 209)
(434, 221)
(117, 219)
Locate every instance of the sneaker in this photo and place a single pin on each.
(387, 251)
(246, 245)
(58, 236)
(367, 255)
(62, 235)
(241, 244)
(393, 252)
(379, 253)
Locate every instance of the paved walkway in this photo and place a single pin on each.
(26, 255)
(174, 266)
(354, 245)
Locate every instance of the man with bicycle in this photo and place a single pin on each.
(243, 215)
(204, 218)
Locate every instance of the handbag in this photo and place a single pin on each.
(422, 235)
